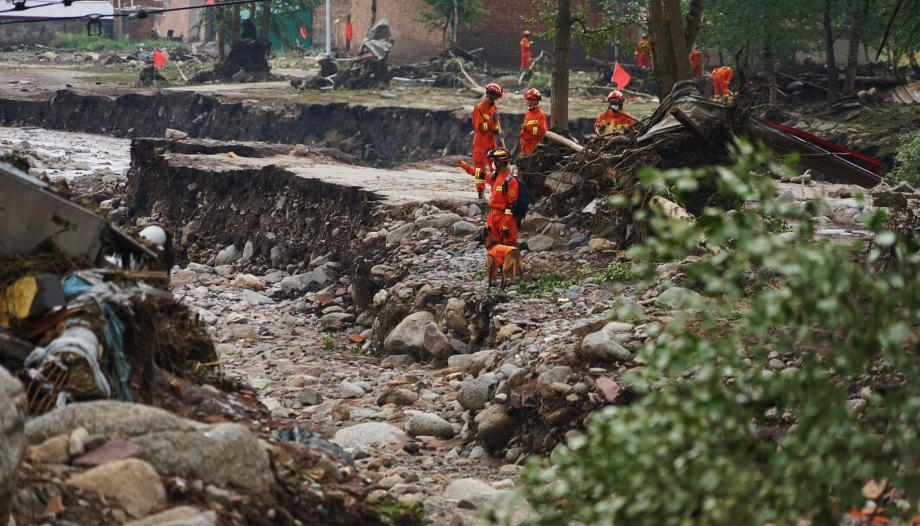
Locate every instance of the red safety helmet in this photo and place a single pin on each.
(616, 97)
(493, 88)
(526, 33)
(500, 155)
(533, 94)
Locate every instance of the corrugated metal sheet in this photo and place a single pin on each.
(79, 8)
(909, 94)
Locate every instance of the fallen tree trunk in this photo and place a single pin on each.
(555, 137)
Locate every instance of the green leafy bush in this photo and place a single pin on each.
(907, 160)
(717, 437)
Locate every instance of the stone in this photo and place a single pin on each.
(248, 251)
(599, 244)
(429, 424)
(222, 454)
(553, 229)
(409, 336)
(336, 321)
(604, 344)
(494, 427)
(248, 281)
(455, 316)
(626, 308)
(607, 388)
(252, 297)
(507, 331)
(350, 390)
(904, 187)
(540, 243)
(473, 211)
(132, 484)
(398, 397)
(55, 450)
(12, 439)
(475, 392)
(464, 228)
(227, 255)
(178, 516)
(435, 343)
(308, 281)
(554, 375)
(439, 220)
(108, 452)
(310, 396)
(381, 298)
(398, 360)
(175, 135)
(578, 240)
(460, 361)
(106, 417)
(77, 442)
(398, 234)
(299, 150)
(369, 434)
(461, 489)
(678, 298)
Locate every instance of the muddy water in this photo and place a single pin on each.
(69, 155)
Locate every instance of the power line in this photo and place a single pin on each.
(139, 14)
(21, 6)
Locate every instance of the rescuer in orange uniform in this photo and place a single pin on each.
(644, 53)
(721, 79)
(697, 61)
(526, 58)
(613, 117)
(500, 220)
(485, 128)
(534, 127)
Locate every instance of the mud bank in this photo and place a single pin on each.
(382, 136)
(270, 215)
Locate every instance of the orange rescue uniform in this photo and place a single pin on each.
(500, 221)
(525, 54)
(644, 54)
(721, 79)
(612, 119)
(485, 127)
(533, 129)
(696, 63)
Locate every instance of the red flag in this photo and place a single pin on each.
(159, 59)
(303, 32)
(621, 77)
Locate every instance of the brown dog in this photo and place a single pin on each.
(504, 257)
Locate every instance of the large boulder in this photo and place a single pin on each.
(540, 243)
(308, 281)
(436, 343)
(132, 484)
(455, 316)
(409, 336)
(12, 438)
(605, 345)
(109, 418)
(369, 434)
(429, 424)
(475, 392)
(494, 426)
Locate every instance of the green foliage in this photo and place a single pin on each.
(716, 437)
(83, 42)
(618, 271)
(441, 12)
(546, 283)
(907, 160)
(403, 513)
(614, 25)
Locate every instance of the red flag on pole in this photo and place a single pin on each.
(159, 59)
(621, 77)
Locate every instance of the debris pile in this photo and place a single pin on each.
(447, 70)
(369, 69)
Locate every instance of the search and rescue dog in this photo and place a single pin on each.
(503, 258)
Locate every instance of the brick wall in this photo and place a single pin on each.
(181, 22)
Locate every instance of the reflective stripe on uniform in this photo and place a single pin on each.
(479, 181)
(486, 116)
(536, 130)
(499, 189)
(507, 211)
(485, 126)
(534, 121)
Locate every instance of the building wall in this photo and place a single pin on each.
(43, 32)
(135, 28)
(182, 23)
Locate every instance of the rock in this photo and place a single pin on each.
(106, 417)
(175, 135)
(227, 255)
(299, 150)
(108, 452)
(507, 331)
(308, 281)
(381, 298)
(248, 250)
(336, 321)
(132, 484)
(398, 360)
(400, 233)
(678, 298)
(275, 256)
(12, 439)
(540, 243)
(435, 342)
(440, 220)
(396, 396)
(553, 229)
(252, 297)
(409, 336)
(47, 55)
(578, 240)
(494, 426)
(554, 375)
(178, 516)
(429, 424)
(369, 434)
(455, 316)
(223, 454)
(599, 244)
(55, 450)
(77, 442)
(464, 228)
(904, 187)
(473, 211)
(310, 396)
(461, 489)
(248, 281)
(607, 388)
(350, 390)
(627, 309)
(476, 392)
(604, 345)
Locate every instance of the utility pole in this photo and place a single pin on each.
(329, 28)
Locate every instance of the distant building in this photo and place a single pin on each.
(42, 28)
